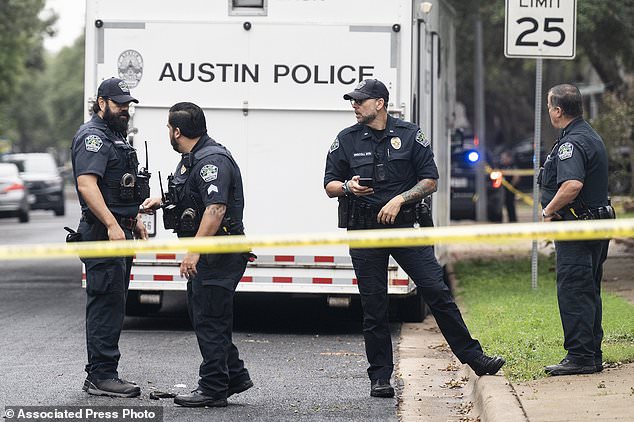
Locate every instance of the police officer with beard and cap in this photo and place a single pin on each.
(110, 189)
(574, 186)
(381, 169)
(205, 198)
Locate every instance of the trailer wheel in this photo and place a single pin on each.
(135, 306)
(413, 308)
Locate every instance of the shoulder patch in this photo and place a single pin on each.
(422, 139)
(565, 151)
(209, 172)
(93, 143)
(334, 146)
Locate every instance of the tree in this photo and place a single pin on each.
(21, 36)
(65, 94)
(21, 60)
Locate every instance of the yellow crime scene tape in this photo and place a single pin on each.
(489, 233)
(513, 172)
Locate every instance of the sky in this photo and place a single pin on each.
(70, 22)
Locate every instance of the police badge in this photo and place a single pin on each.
(209, 172)
(565, 151)
(334, 146)
(93, 143)
(396, 142)
(422, 139)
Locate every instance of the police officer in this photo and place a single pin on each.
(110, 190)
(574, 186)
(205, 198)
(381, 169)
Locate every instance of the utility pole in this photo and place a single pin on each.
(480, 123)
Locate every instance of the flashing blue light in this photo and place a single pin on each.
(473, 156)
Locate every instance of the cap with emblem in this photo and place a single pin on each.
(117, 90)
(369, 88)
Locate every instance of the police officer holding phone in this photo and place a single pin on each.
(381, 169)
(205, 198)
(574, 186)
(110, 189)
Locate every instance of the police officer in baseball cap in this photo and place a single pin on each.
(381, 169)
(110, 189)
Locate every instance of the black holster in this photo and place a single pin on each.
(343, 212)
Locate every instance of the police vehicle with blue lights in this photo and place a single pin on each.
(466, 157)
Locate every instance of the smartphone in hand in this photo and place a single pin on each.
(366, 181)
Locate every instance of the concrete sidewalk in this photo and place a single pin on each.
(435, 387)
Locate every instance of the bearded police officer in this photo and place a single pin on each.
(205, 198)
(381, 169)
(110, 190)
(574, 186)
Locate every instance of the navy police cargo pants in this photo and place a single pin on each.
(370, 266)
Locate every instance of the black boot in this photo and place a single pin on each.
(381, 388)
(486, 365)
(239, 387)
(199, 399)
(568, 367)
(111, 387)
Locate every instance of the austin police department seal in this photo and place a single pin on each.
(565, 151)
(422, 139)
(93, 143)
(396, 142)
(130, 65)
(335, 145)
(209, 172)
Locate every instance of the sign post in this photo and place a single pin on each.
(540, 29)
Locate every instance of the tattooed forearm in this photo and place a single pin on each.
(422, 189)
(216, 209)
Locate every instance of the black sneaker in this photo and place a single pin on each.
(568, 367)
(486, 365)
(111, 387)
(381, 388)
(199, 399)
(598, 366)
(239, 387)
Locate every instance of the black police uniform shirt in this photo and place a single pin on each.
(213, 180)
(397, 162)
(98, 150)
(579, 154)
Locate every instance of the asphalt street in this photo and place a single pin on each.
(307, 361)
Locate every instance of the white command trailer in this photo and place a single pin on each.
(270, 76)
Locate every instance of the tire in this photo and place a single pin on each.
(60, 210)
(413, 308)
(23, 216)
(134, 307)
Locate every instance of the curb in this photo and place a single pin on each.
(494, 399)
(493, 396)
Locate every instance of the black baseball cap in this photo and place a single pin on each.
(369, 88)
(117, 90)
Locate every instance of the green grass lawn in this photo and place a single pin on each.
(513, 320)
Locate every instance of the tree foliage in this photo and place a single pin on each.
(21, 36)
(616, 126)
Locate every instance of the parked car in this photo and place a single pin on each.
(13, 193)
(465, 158)
(42, 178)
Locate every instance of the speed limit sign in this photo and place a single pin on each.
(540, 29)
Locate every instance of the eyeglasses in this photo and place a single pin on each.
(360, 102)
